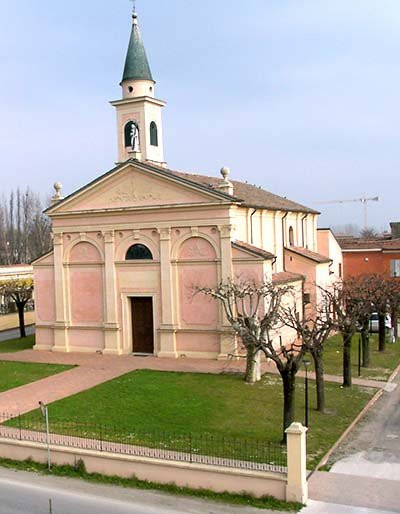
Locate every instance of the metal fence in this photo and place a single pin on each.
(203, 448)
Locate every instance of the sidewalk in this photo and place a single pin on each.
(356, 491)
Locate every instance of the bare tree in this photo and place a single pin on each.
(393, 288)
(24, 230)
(20, 291)
(380, 297)
(347, 300)
(254, 313)
(313, 329)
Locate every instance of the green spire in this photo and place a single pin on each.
(136, 64)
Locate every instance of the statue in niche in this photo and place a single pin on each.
(132, 136)
(135, 142)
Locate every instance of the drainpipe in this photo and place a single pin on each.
(283, 240)
(302, 229)
(251, 226)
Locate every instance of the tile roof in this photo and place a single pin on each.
(247, 194)
(316, 257)
(253, 196)
(361, 243)
(253, 249)
(286, 276)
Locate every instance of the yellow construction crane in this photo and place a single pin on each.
(364, 200)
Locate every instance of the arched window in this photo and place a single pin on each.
(138, 252)
(153, 134)
(132, 135)
(291, 236)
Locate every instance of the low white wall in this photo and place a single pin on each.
(195, 476)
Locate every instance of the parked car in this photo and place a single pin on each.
(374, 322)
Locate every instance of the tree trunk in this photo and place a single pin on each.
(366, 357)
(382, 333)
(395, 325)
(347, 337)
(289, 388)
(253, 366)
(319, 379)
(21, 317)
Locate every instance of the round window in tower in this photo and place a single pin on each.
(130, 89)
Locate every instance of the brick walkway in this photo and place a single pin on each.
(93, 369)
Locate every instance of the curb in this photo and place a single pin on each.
(355, 421)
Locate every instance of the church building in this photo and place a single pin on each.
(131, 247)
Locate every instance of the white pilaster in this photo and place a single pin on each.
(227, 338)
(112, 344)
(167, 328)
(61, 324)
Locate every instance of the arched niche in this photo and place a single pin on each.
(197, 249)
(84, 252)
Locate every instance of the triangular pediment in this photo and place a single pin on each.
(45, 260)
(134, 186)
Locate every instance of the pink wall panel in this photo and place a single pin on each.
(45, 336)
(199, 342)
(86, 295)
(44, 294)
(92, 339)
(197, 309)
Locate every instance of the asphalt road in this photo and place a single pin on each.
(29, 493)
(373, 449)
(14, 333)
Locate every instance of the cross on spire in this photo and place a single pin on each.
(133, 6)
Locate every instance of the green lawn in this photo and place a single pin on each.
(15, 374)
(17, 345)
(382, 363)
(220, 405)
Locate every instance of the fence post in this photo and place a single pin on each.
(296, 488)
(20, 427)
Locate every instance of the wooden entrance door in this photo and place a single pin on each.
(142, 325)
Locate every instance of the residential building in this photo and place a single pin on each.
(372, 255)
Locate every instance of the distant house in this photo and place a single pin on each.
(372, 255)
(13, 271)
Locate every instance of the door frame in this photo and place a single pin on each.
(127, 322)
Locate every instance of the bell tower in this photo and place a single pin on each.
(139, 113)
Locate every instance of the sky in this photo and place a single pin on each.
(300, 97)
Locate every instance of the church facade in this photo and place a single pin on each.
(131, 247)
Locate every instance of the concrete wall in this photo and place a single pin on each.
(195, 476)
(291, 486)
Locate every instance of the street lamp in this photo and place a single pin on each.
(306, 363)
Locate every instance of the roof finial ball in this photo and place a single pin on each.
(226, 186)
(57, 195)
(225, 172)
